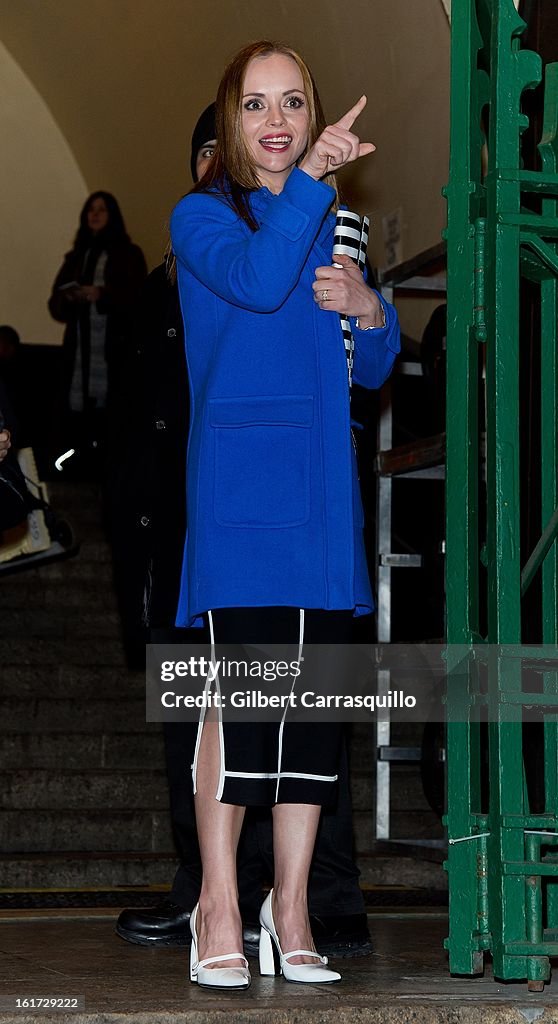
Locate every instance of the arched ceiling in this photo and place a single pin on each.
(39, 199)
(126, 79)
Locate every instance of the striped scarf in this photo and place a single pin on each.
(351, 239)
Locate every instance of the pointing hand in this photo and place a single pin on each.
(337, 145)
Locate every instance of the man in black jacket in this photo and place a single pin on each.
(337, 911)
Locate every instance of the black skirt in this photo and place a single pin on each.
(269, 762)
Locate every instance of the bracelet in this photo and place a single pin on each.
(376, 327)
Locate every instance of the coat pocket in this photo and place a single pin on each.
(262, 460)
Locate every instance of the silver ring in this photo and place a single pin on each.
(325, 295)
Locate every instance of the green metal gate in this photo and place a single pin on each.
(502, 224)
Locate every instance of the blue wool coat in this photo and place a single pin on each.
(273, 503)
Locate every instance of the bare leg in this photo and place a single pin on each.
(294, 836)
(219, 825)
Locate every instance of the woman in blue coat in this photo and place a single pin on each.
(274, 551)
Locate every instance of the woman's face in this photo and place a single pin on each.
(97, 215)
(274, 117)
(205, 154)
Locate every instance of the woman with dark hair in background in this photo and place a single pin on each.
(94, 294)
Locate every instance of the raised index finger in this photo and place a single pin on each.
(348, 119)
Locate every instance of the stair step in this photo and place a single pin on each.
(70, 622)
(75, 681)
(390, 870)
(40, 788)
(78, 568)
(80, 496)
(20, 591)
(83, 871)
(40, 651)
(128, 868)
(80, 751)
(404, 824)
(92, 716)
(39, 830)
(98, 551)
(406, 790)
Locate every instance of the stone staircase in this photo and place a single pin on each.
(83, 797)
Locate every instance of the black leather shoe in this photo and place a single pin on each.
(251, 938)
(167, 924)
(344, 936)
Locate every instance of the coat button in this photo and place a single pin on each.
(171, 333)
(145, 520)
(160, 425)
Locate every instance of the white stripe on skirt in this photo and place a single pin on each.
(208, 683)
(223, 773)
(284, 715)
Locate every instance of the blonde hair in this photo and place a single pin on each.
(232, 169)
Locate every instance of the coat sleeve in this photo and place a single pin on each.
(125, 274)
(58, 305)
(253, 270)
(375, 351)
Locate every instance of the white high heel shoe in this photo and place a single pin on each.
(274, 961)
(218, 977)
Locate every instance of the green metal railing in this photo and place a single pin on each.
(503, 873)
